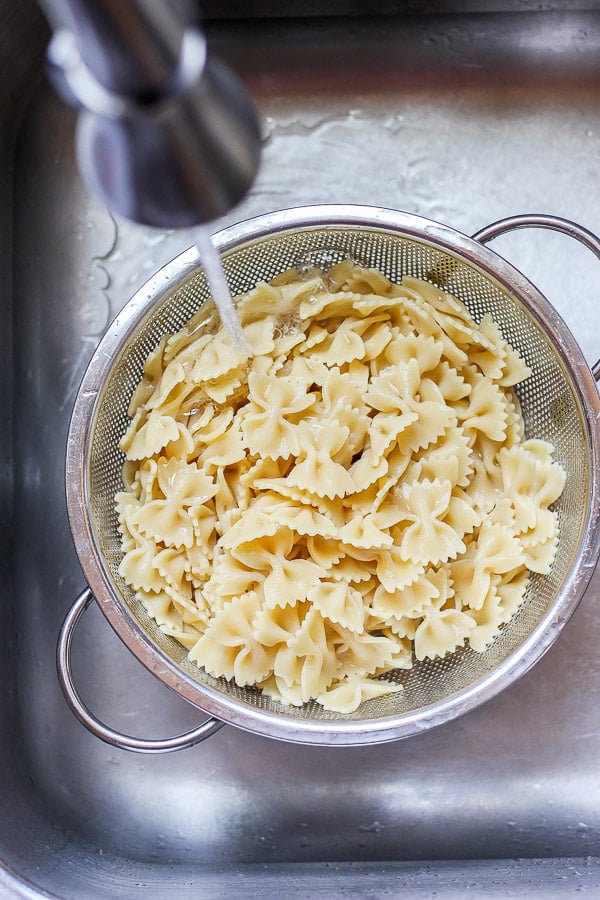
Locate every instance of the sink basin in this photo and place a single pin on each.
(462, 117)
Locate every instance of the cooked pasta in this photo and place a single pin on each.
(353, 494)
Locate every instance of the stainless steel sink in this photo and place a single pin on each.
(463, 117)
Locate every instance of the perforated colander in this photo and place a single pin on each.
(559, 402)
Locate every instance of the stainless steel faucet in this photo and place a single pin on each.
(166, 135)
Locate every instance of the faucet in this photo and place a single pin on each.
(166, 135)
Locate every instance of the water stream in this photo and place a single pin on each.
(217, 282)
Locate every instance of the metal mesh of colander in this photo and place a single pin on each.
(550, 399)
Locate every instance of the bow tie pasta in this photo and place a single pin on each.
(353, 494)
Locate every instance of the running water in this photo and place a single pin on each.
(219, 288)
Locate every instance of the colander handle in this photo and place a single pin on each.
(553, 223)
(87, 718)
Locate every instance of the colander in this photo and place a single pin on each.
(560, 404)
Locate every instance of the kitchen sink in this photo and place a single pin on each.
(466, 114)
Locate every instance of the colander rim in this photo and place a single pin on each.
(335, 732)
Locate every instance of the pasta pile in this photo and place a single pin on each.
(352, 493)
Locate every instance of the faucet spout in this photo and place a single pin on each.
(166, 135)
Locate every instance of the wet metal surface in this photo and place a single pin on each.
(463, 119)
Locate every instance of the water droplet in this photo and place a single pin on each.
(374, 828)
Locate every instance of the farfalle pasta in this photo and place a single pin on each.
(351, 494)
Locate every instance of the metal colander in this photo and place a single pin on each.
(559, 402)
